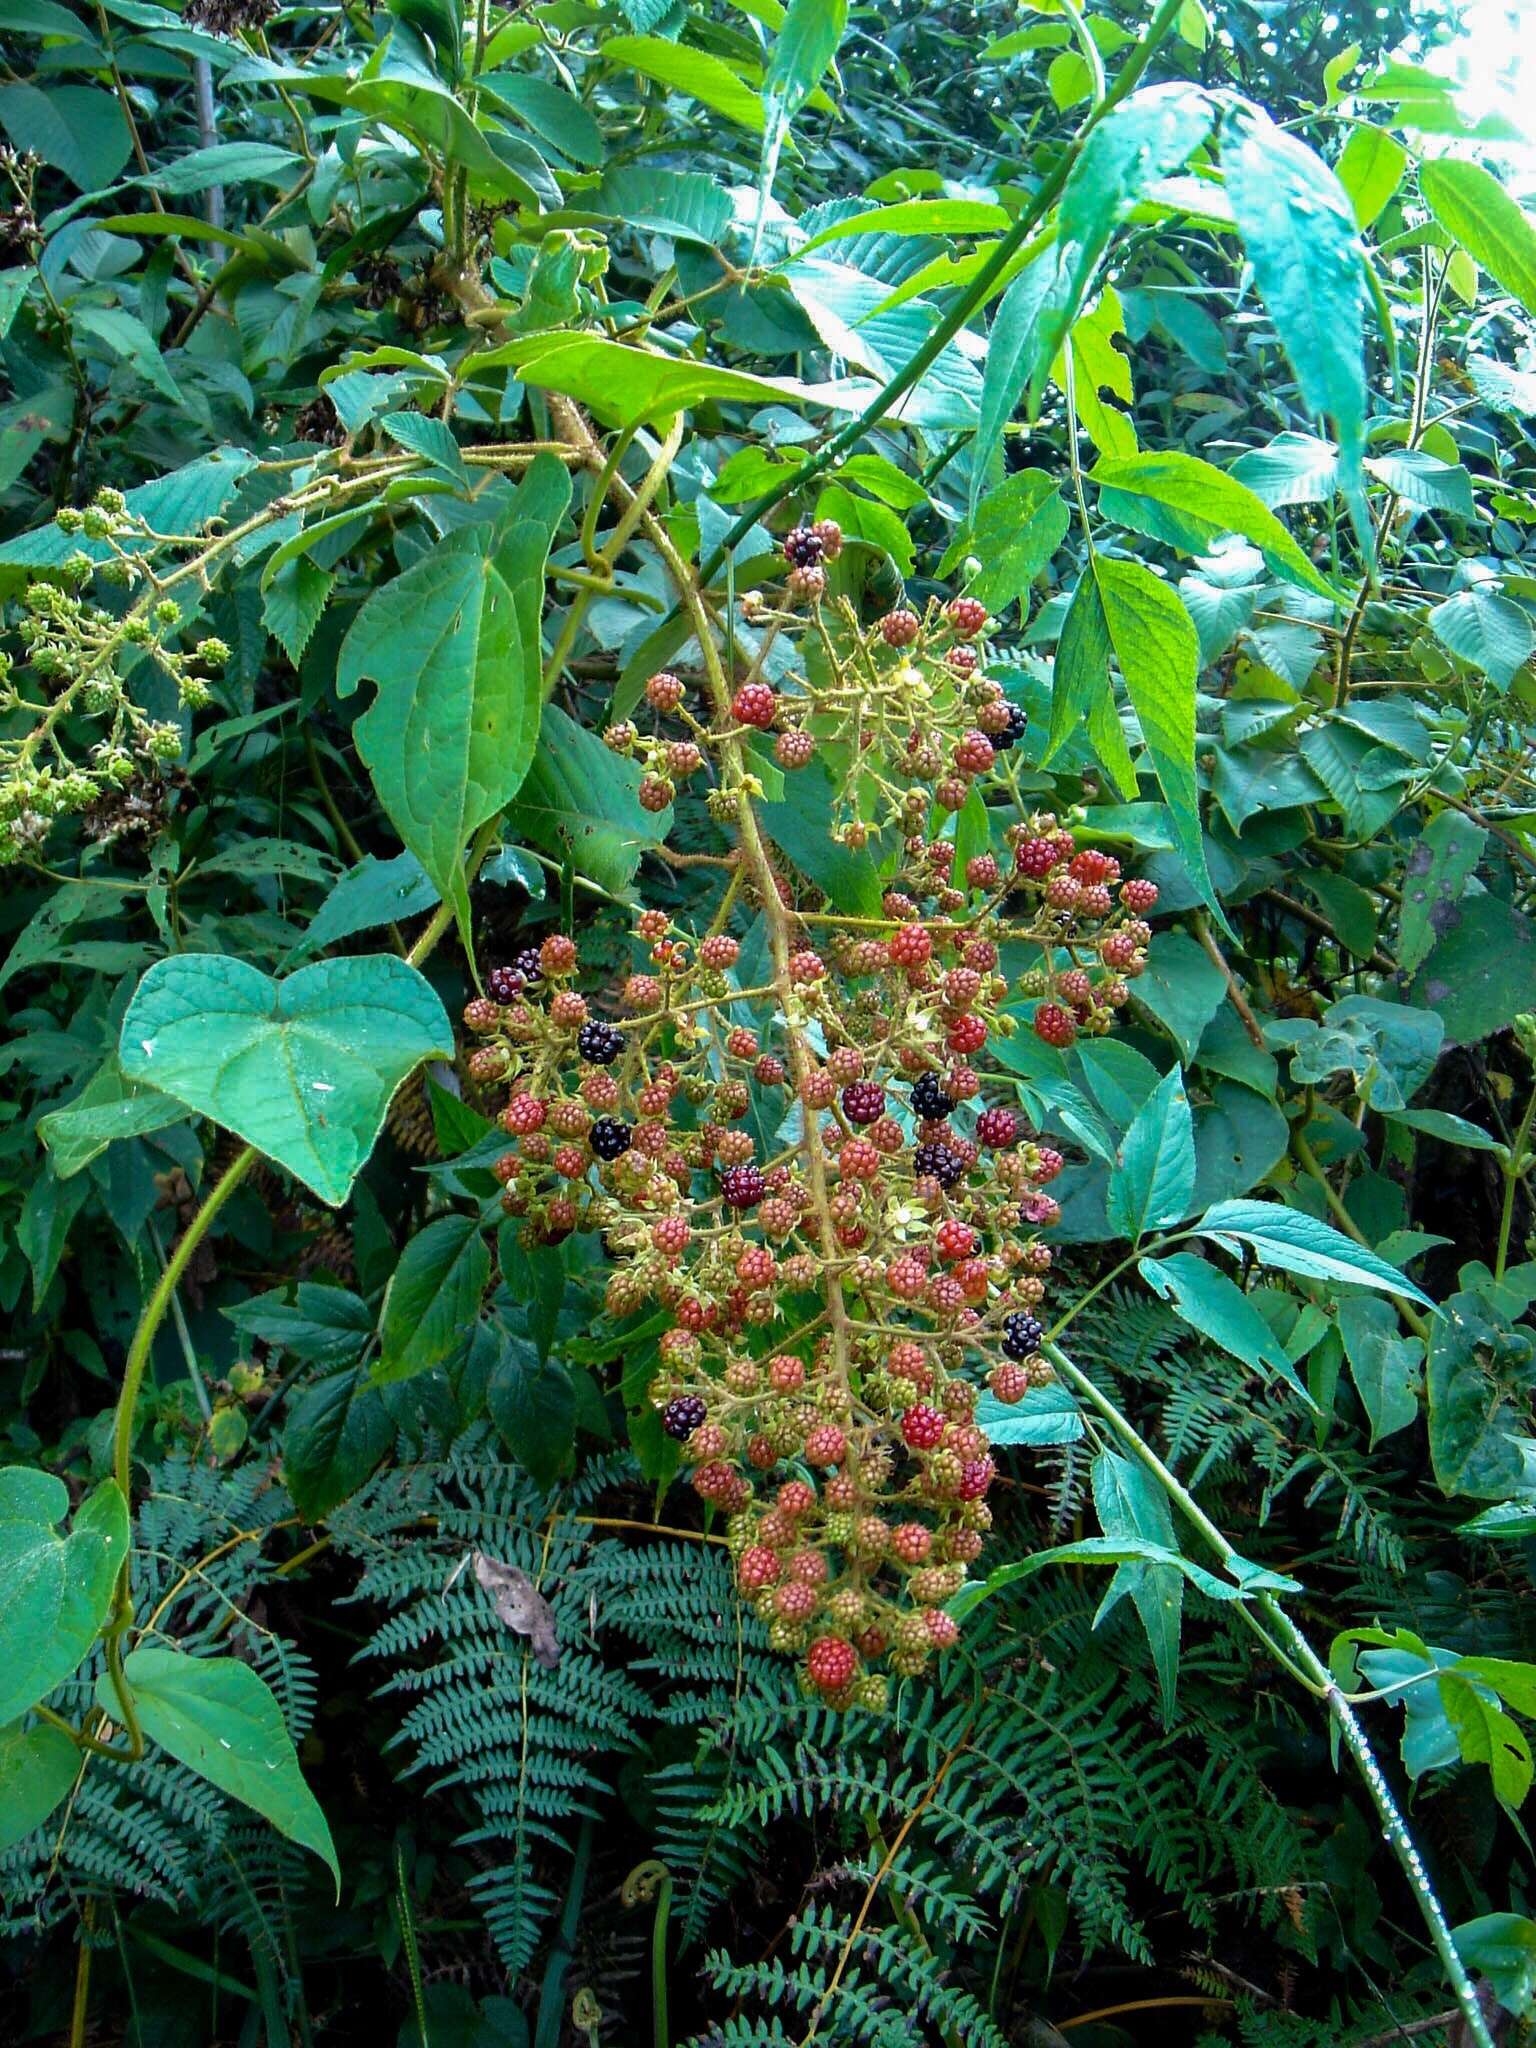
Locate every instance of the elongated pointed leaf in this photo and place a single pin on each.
(216, 1716)
(1175, 497)
(1130, 1503)
(453, 648)
(1493, 228)
(1153, 1180)
(1218, 1308)
(1298, 1243)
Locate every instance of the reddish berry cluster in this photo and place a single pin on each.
(835, 1300)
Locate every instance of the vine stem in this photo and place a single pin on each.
(1304, 1664)
(1514, 1169)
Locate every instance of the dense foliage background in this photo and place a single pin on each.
(1197, 345)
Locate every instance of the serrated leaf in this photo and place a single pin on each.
(79, 129)
(1293, 469)
(1043, 1416)
(336, 1433)
(578, 803)
(1218, 1308)
(1153, 1179)
(1174, 497)
(293, 602)
(1386, 1366)
(1131, 1505)
(216, 1716)
(55, 1590)
(1370, 168)
(1473, 206)
(1490, 632)
(1481, 974)
(1299, 1243)
(433, 1298)
(303, 1068)
(698, 73)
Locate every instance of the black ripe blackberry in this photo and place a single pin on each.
(599, 1042)
(1021, 1335)
(940, 1161)
(609, 1138)
(804, 548)
(929, 1100)
(682, 1415)
(1013, 732)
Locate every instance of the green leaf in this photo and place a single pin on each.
(555, 115)
(321, 1326)
(1298, 1243)
(1042, 1416)
(1013, 532)
(55, 1591)
(228, 163)
(913, 217)
(453, 645)
(579, 804)
(79, 129)
(798, 826)
(1480, 627)
(1130, 1504)
(125, 336)
(688, 205)
(216, 1716)
(433, 1298)
(1182, 988)
(1471, 204)
(803, 51)
(337, 1432)
(107, 1108)
(1153, 1179)
(704, 77)
(1385, 1365)
(1451, 1130)
(1218, 1308)
(1127, 1550)
(293, 602)
(1475, 1418)
(627, 385)
(1423, 480)
(1122, 609)
(373, 893)
(1485, 1734)
(38, 1766)
(303, 1068)
(1188, 504)
(1481, 974)
(1370, 168)
(1299, 230)
(1015, 347)
(1294, 469)
(1502, 1948)
(533, 1405)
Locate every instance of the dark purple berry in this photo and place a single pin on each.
(743, 1186)
(803, 548)
(929, 1100)
(599, 1042)
(940, 1161)
(682, 1415)
(1021, 1335)
(609, 1138)
(1013, 732)
(504, 984)
(528, 965)
(863, 1102)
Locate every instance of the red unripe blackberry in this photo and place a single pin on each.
(754, 704)
(785, 1373)
(1049, 1165)
(480, 1014)
(923, 1427)
(910, 946)
(900, 628)
(1091, 865)
(831, 1663)
(1035, 858)
(967, 616)
(998, 1128)
(683, 760)
(906, 1278)
(1074, 986)
(1055, 1025)
(954, 1239)
(826, 1445)
(975, 1478)
(1138, 895)
(1117, 949)
(794, 1496)
(944, 1294)
(858, 1160)
(975, 1278)
(831, 537)
(983, 872)
(806, 966)
(506, 1167)
(557, 955)
(962, 660)
(756, 1568)
(655, 793)
(795, 1601)
(769, 1071)
(642, 992)
(818, 1090)
(943, 1629)
(720, 950)
(911, 1542)
(570, 1162)
(524, 1113)
(794, 750)
(842, 1492)
(809, 1567)
(863, 1102)
(670, 1234)
(967, 1034)
(845, 1063)
(1008, 1381)
(973, 754)
(664, 691)
(951, 792)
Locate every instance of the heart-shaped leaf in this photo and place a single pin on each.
(37, 1767)
(216, 1716)
(55, 1591)
(303, 1068)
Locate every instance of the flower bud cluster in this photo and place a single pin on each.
(88, 739)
